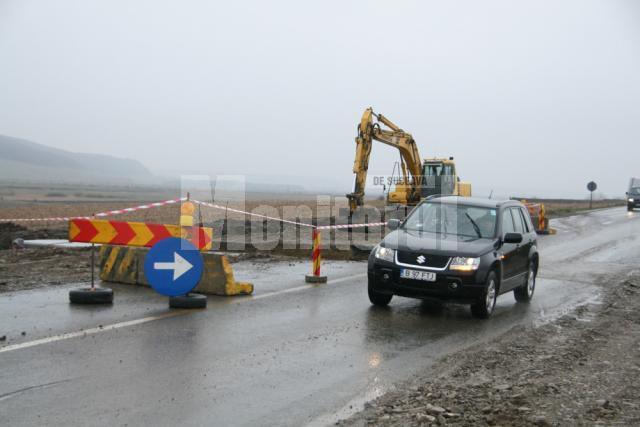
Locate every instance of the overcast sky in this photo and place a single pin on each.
(535, 97)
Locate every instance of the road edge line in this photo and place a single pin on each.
(91, 331)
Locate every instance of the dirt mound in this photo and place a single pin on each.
(6, 227)
(10, 231)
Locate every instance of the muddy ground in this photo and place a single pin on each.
(40, 267)
(31, 268)
(581, 369)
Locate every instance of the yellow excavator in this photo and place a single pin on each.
(418, 179)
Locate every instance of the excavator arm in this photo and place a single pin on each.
(411, 165)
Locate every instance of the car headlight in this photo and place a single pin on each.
(464, 264)
(630, 199)
(385, 254)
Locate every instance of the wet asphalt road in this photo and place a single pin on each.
(292, 354)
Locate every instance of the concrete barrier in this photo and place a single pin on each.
(123, 264)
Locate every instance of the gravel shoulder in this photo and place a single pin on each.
(581, 369)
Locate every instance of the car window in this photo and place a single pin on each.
(452, 218)
(527, 220)
(518, 221)
(507, 222)
(484, 218)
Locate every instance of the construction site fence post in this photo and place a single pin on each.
(93, 265)
(316, 258)
(93, 262)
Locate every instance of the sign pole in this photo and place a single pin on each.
(90, 295)
(591, 186)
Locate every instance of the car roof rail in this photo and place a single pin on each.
(436, 196)
(509, 202)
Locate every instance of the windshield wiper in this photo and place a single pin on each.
(475, 226)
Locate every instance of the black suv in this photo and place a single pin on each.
(633, 198)
(460, 249)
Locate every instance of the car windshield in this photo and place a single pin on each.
(635, 191)
(451, 218)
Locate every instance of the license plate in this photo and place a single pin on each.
(427, 276)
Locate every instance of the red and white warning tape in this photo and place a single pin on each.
(319, 227)
(370, 224)
(182, 199)
(100, 214)
(226, 208)
(141, 207)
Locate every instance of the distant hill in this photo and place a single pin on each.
(26, 161)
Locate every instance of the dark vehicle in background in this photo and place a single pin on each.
(459, 249)
(633, 194)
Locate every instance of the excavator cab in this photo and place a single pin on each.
(438, 177)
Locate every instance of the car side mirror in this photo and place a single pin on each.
(513, 238)
(393, 224)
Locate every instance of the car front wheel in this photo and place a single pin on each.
(484, 307)
(525, 293)
(378, 298)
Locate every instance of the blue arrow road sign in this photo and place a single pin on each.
(173, 266)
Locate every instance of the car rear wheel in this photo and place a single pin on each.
(525, 293)
(378, 298)
(484, 307)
